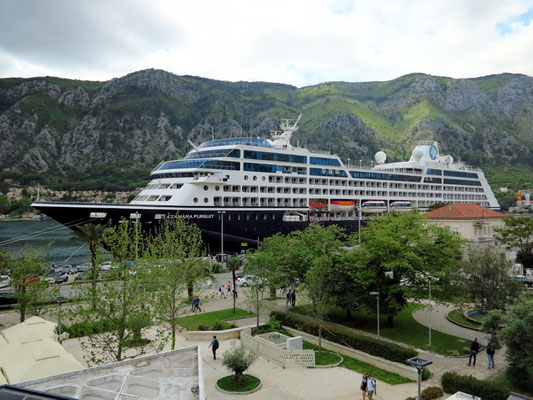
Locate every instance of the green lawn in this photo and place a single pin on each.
(250, 382)
(208, 320)
(325, 358)
(458, 316)
(406, 329)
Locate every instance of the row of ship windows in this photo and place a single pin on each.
(461, 174)
(271, 168)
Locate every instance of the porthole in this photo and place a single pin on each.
(195, 199)
(263, 178)
(245, 177)
(217, 188)
(205, 187)
(206, 200)
(255, 178)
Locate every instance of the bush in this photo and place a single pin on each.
(520, 378)
(426, 374)
(453, 382)
(367, 344)
(216, 268)
(431, 393)
(218, 326)
(79, 329)
(238, 360)
(203, 327)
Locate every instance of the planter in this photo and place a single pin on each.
(226, 391)
(329, 365)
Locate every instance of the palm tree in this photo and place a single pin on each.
(92, 234)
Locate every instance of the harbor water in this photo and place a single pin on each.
(54, 241)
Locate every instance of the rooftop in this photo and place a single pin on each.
(463, 211)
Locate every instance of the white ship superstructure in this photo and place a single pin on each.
(258, 173)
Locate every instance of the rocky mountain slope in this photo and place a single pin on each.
(79, 134)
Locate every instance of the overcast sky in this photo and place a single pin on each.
(295, 42)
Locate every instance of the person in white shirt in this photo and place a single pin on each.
(371, 385)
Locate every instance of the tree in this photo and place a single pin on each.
(485, 278)
(26, 281)
(258, 267)
(317, 280)
(6, 262)
(238, 360)
(516, 334)
(518, 234)
(5, 205)
(400, 248)
(492, 323)
(175, 252)
(92, 234)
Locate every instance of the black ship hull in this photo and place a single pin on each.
(243, 227)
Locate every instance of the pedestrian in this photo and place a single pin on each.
(363, 386)
(293, 298)
(214, 346)
(371, 386)
(490, 354)
(222, 289)
(229, 288)
(288, 298)
(474, 349)
(235, 294)
(196, 304)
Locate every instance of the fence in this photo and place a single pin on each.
(280, 355)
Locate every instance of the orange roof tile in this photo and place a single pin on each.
(463, 211)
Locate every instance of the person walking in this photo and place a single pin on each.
(490, 354)
(235, 293)
(288, 298)
(363, 386)
(196, 304)
(214, 346)
(371, 386)
(222, 289)
(293, 298)
(228, 285)
(474, 349)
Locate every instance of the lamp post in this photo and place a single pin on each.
(359, 222)
(377, 295)
(419, 364)
(59, 300)
(222, 236)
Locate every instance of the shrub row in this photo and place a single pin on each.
(79, 329)
(367, 344)
(453, 382)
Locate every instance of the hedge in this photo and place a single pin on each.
(367, 344)
(79, 329)
(453, 382)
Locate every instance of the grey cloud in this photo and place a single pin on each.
(81, 34)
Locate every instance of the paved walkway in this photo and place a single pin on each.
(442, 364)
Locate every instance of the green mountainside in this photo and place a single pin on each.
(71, 134)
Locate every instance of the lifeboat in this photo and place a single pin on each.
(401, 205)
(374, 206)
(341, 205)
(318, 205)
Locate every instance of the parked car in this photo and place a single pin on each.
(65, 269)
(247, 280)
(61, 279)
(83, 267)
(106, 266)
(5, 281)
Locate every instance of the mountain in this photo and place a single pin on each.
(80, 134)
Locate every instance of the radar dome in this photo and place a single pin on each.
(380, 157)
(418, 154)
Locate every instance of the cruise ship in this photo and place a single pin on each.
(241, 190)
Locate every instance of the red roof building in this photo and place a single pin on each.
(471, 221)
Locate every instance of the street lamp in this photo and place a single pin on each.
(359, 221)
(419, 364)
(377, 295)
(221, 236)
(59, 299)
